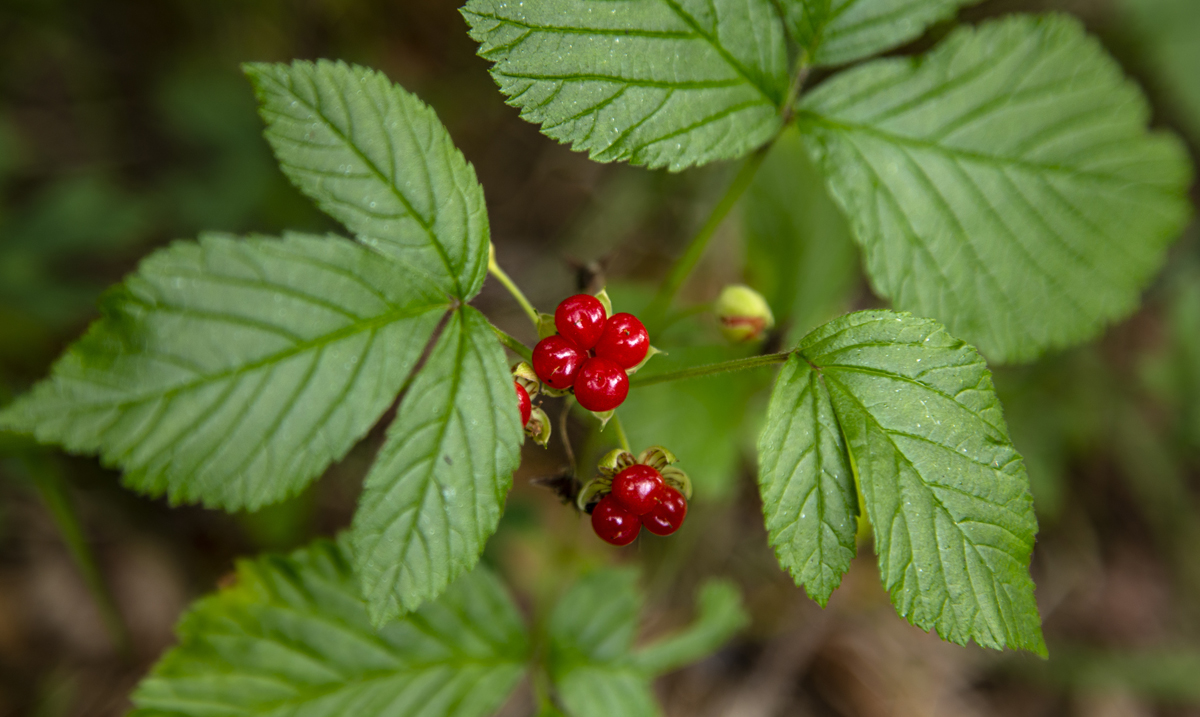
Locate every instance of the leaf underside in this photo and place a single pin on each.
(233, 372)
(1005, 183)
(376, 158)
(835, 32)
(292, 637)
(913, 412)
(437, 488)
(660, 83)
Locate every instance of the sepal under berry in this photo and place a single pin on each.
(605, 301)
(657, 458)
(651, 353)
(592, 492)
(538, 427)
(524, 374)
(545, 325)
(603, 417)
(678, 480)
(615, 461)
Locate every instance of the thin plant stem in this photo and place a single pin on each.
(516, 346)
(711, 369)
(620, 429)
(495, 270)
(695, 250)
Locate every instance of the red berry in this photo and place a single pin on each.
(638, 488)
(601, 384)
(624, 340)
(557, 361)
(523, 403)
(580, 318)
(668, 515)
(613, 523)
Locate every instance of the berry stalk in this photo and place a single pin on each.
(495, 270)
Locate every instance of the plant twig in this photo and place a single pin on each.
(495, 270)
(621, 437)
(516, 346)
(711, 369)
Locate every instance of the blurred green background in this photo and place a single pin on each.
(126, 124)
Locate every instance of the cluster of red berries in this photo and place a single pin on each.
(591, 352)
(639, 497)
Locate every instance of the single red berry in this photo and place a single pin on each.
(557, 361)
(613, 523)
(523, 403)
(638, 488)
(580, 318)
(624, 340)
(668, 515)
(601, 384)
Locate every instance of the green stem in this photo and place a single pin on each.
(710, 369)
(53, 490)
(495, 270)
(517, 347)
(691, 256)
(620, 429)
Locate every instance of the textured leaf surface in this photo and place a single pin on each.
(292, 637)
(232, 372)
(945, 490)
(834, 32)
(661, 83)
(799, 254)
(1004, 184)
(437, 489)
(377, 159)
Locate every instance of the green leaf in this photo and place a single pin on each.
(945, 491)
(1004, 184)
(292, 637)
(437, 489)
(233, 372)
(835, 32)
(377, 159)
(591, 660)
(660, 83)
(799, 253)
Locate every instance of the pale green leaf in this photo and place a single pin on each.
(377, 159)
(945, 491)
(292, 637)
(592, 664)
(232, 372)
(799, 253)
(1004, 184)
(660, 83)
(835, 32)
(806, 482)
(437, 489)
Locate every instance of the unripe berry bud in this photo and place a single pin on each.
(743, 313)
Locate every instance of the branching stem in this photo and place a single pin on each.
(495, 270)
(620, 429)
(516, 346)
(711, 369)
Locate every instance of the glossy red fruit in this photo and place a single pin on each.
(601, 384)
(639, 488)
(557, 361)
(668, 515)
(523, 403)
(624, 340)
(580, 318)
(613, 523)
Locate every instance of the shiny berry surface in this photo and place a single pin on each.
(624, 340)
(639, 488)
(613, 523)
(601, 384)
(668, 515)
(557, 361)
(580, 318)
(523, 403)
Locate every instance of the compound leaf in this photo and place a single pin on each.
(437, 489)
(834, 32)
(377, 159)
(660, 83)
(592, 664)
(292, 637)
(1005, 183)
(945, 491)
(233, 372)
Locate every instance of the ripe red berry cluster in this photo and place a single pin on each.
(591, 352)
(639, 497)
